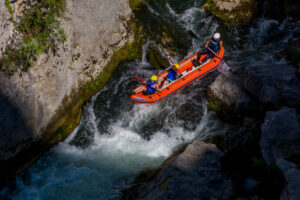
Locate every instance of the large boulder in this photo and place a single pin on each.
(292, 52)
(156, 57)
(196, 173)
(280, 135)
(273, 84)
(251, 90)
(233, 12)
(279, 143)
(292, 176)
(226, 93)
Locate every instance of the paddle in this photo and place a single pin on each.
(196, 37)
(139, 79)
(213, 52)
(158, 92)
(191, 33)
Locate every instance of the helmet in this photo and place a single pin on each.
(154, 78)
(176, 66)
(216, 36)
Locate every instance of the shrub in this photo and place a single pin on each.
(41, 31)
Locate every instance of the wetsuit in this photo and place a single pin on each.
(213, 45)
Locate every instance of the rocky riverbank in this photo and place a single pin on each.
(49, 96)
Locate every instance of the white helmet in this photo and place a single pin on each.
(216, 36)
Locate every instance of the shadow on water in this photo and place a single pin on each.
(116, 139)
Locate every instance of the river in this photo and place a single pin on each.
(117, 139)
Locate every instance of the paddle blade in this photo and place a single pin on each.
(191, 33)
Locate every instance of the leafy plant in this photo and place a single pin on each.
(41, 31)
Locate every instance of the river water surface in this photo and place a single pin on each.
(117, 139)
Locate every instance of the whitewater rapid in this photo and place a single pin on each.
(117, 139)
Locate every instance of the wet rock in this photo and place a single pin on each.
(227, 93)
(281, 9)
(156, 58)
(279, 143)
(280, 135)
(162, 30)
(244, 139)
(193, 174)
(273, 84)
(251, 186)
(249, 91)
(191, 114)
(251, 176)
(292, 189)
(233, 12)
(292, 52)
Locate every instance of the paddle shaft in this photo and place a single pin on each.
(158, 92)
(139, 79)
(191, 33)
(213, 52)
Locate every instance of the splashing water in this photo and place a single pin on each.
(117, 139)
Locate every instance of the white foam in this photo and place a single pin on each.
(145, 50)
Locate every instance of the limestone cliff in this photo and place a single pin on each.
(49, 95)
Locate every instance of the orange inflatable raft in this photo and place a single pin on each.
(187, 77)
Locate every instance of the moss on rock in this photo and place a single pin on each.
(156, 58)
(134, 4)
(212, 106)
(237, 15)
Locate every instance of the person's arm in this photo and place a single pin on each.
(206, 44)
(178, 73)
(170, 61)
(221, 44)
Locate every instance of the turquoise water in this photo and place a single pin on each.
(117, 139)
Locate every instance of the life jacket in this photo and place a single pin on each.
(150, 88)
(214, 45)
(171, 74)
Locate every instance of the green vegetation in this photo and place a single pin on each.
(41, 32)
(9, 8)
(134, 4)
(214, 107)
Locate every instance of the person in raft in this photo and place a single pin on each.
(212, 46)
(173, 74)
(150, 88)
